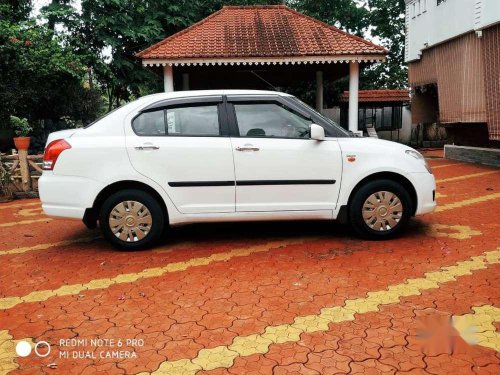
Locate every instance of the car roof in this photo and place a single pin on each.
(198, 93)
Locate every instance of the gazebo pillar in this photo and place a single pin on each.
(168, 78)
(319, 91)
(353, 95)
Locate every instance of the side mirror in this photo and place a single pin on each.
(317, 132)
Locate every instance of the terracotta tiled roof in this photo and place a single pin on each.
(246, 32)
(367, 96)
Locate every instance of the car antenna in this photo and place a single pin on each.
(262, 79)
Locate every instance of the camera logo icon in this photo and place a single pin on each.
(42, 348)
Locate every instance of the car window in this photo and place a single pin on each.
(196, 120)
(189, 121)
(150, 123)
(270, 120)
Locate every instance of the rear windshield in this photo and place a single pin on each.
(103, 116)
(127, 106)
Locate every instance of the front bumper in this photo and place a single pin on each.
(67, 196)
(425, 187)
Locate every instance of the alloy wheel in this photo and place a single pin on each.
(382, 211)
(130, 221)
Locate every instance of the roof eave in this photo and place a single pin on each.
(289, 60)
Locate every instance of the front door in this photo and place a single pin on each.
(184, 149)
(278, 167)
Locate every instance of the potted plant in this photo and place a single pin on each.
(21, 129)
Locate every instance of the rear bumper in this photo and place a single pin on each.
(425, 187)
(67, 196)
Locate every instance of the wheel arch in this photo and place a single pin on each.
(91, 214)
(388, 176)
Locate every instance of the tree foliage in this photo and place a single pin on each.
(387, 18)
(40, 77)
(15, 10)
(348, 15)
(115, 30)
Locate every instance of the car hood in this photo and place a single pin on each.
(374, 144)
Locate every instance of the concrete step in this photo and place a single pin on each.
(372, 132)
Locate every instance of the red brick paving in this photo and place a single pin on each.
(180, 313)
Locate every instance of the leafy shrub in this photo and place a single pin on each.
(20, 126)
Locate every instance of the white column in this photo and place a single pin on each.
(185, 81)
(319, 91)
(353, 95)
(168, 78)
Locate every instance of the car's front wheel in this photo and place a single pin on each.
(380, 209)
(131, 219)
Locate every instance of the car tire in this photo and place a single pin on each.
(131, 220)
(380, 209)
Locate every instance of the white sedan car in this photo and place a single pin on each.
(207, 156)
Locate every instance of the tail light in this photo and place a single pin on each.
(52, 152)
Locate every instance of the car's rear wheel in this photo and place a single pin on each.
(380, 209)
(131, 219)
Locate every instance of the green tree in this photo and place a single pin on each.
(58, 11)
(348, 15)
(387, 20)
(109, 33)
(40, 77)
(15, 10)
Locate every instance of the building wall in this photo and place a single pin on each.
(491, 57)
(460, 71)
(423, 72)
(488, 13)
(429, 24)
(425, 106)
(464, 75)
(457, 67)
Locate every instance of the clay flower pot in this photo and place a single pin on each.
(22, 143)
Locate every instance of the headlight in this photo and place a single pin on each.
(419, 156)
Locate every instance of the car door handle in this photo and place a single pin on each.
(147, 147)
(247, 147)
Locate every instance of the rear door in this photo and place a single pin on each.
(278, 167)
(184, 147)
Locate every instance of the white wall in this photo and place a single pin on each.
(490, 13)
(429, 24)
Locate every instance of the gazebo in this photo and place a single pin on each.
(262, 47)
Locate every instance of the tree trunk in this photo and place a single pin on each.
(110, 98)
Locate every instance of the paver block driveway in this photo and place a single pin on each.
(260, 298)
